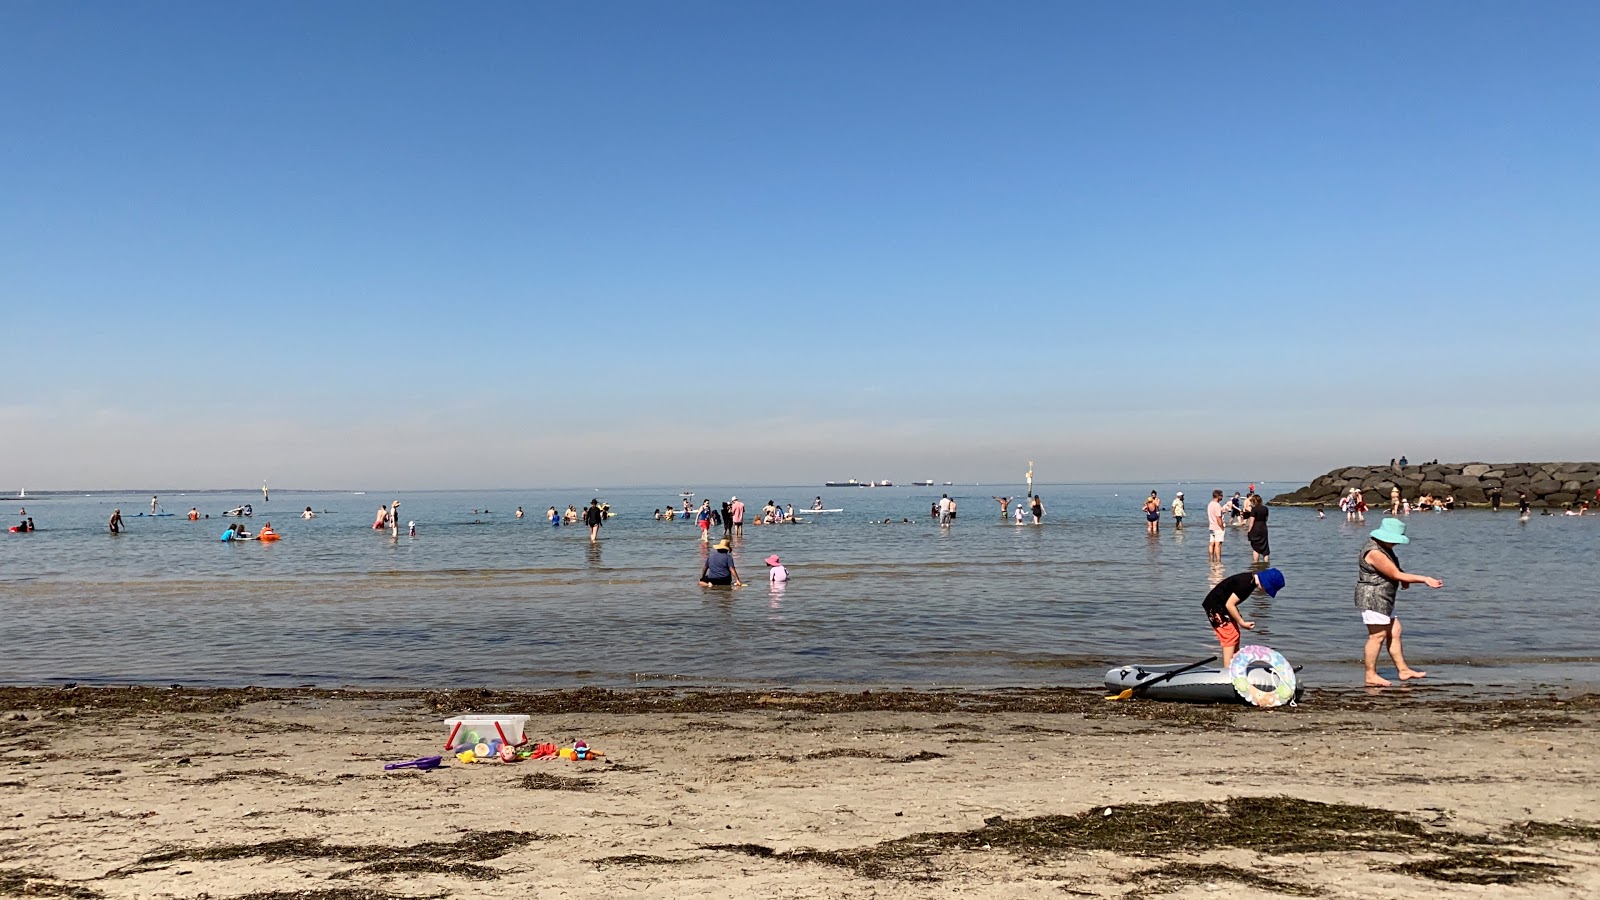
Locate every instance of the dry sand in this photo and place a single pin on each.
(107, 793)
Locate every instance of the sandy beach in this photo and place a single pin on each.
(1031, 793)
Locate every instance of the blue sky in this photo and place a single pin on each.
(441, 245)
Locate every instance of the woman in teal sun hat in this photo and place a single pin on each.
(1377, 582)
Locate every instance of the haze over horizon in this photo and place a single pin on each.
(393, 245)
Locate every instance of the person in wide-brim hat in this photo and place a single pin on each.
(1378, 579)
(719, 570)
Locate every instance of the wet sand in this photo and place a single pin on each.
(280, 793)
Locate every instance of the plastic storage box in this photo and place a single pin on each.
(484, 728)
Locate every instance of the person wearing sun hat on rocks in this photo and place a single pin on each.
(1378, 579)
(776, 573)
(719, 570)
(1222, 606)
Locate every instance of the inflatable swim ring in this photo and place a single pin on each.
(267, 536)
(1252, 655)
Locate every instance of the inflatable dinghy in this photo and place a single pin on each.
(1196, 685)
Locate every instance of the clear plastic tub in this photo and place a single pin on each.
(484, 728)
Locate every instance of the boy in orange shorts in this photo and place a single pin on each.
(1222, 606)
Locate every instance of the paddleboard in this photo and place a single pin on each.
(150, 515)
(815, 511)
(1194, 686)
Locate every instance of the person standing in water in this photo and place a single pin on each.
(593, 517)
(736, 507)
(382, 519)
(394, 519)
(153, 505)
(944, 509)
(1037, 508)
(308, 514)
(519, 512)
(1152, 514)
(264, 496)
(1177, 511)
(194, 513)
(1378, 579)
(116, 521)
(1260, 549)
(1005, 506)
(1219, 529)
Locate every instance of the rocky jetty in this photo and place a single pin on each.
(1547, 484)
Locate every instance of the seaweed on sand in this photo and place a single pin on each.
(1479, 868)
(1168, 878)
(642, 859)
(544, 781)
(22, 883)
(333, 894)
(1276, 825)
(1558, 831)
(471, 847)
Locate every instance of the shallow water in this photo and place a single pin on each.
(484, 599)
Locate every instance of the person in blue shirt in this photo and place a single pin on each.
(719, 570)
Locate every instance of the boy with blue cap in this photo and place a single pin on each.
(1222, 606)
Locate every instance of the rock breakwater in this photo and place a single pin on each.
(1552, 484)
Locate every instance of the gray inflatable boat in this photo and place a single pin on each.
(1196, 685)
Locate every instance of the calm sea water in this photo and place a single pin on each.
(483, 599)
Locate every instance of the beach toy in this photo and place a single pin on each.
(467, 756)
(502, 733)
(580, 750)
(473, 738)
(481, 751)
(567, 753)
(1252, 655)
(494, 746)
(450, 741)
(508, 753)
(425, 763)
(542, 751)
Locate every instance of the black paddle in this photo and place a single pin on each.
(1129, 692)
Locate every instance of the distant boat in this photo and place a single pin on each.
(686, 493)
(851, 483)
(949, 482)
(882, 484)
(922, 484)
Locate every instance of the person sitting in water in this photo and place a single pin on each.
(194, 514)
(249, 510)
(657, 515)
(719, 570)
(308, 514)
(31, 528)
(776, 573)
(266, 531)
(519, 512)
(817, 503)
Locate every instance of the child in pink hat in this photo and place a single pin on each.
(776, 573)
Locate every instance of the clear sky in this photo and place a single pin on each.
(397, 244)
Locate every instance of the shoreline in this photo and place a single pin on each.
(280, 794)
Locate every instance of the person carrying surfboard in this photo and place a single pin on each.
(1222, 606)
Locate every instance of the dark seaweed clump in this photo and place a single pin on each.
(1168, 878)
(473, 847)
(1268, 825)
(20, 883)
(544, 781)
(1479, 868)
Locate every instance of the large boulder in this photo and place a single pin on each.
(1461, 480)
(1548, 468)
(1571, 487)
(1576, 467)
(1355, 473)
(1476, 470)
(1436, 488)
(1472, 495)
(1544, 487)
(1495, 473)
(1405, 484)
(1559, 499)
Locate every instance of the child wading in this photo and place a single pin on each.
(1222, 606)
